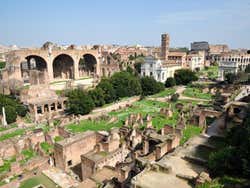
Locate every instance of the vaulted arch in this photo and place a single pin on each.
(32, 62)
(63, 67)
(87, 65)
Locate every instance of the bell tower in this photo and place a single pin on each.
(164, 46)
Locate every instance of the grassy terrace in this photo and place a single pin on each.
(17, 132)
(6, 166)
(37, 180)
(196, 93)
(211, 72)
(144, 107)
(92, 125)
(190, 132)
(46, 147)
(28, 154)
(165, 93)
(13, 125)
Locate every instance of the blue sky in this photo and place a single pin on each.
(33, 22)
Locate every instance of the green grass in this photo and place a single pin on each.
(7, 165)
(59, 92)
(28, 154)
(190, 132)
(92, 126)
(58, 138)
(37, 180)
(84, 78)
(226, 181)
(12, 134)
(143, 107)
(196, 93)
(211, 72)
(46, 147)
(165, 93)
(13, 125)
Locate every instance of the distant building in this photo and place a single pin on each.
(215, 51)
(200, 46)
(163, 67)
(155, 68)
(232, 63)
(196, 60)
(165, 46)
(177, 57)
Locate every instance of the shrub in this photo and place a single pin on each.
(12, 108)
(184, 76)
(97, 96)
(170, 82)
(125, 84)
(174, 97)
(150, 86)
(108, 90)
(230, 77)
(79, 102)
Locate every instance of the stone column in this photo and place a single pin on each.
(62, 105)
(145, 147)
(50, 68)
(98, 61)
(56, 106)
(49, 108)
(35, 112)
(42, 107)
(76, 70)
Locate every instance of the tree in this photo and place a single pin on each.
(12, 108)
(2, 65)
(230, 77)
(234, 158)
(150, 86)
(79, 102)
(138, 67)
(247, 70)
(130, 70)
(97, 96)
(175, 97)
(184, 76)
(125, 84)
(108, 90)
(170, 82)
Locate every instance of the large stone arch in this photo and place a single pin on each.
(87, 65)
(32, 63)
(63, 67)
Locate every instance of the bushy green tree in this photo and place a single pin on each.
(108, 90)
(97, 96)
(234, 158)
(150, 86)
(170, 82)
(2, 65)
(126, 84)
(184, 76)
(12, 108)
(225, 160)
(79, 102)
(230, 77)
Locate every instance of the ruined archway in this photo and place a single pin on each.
(32, 63)
(87, 65)
(63, 67)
